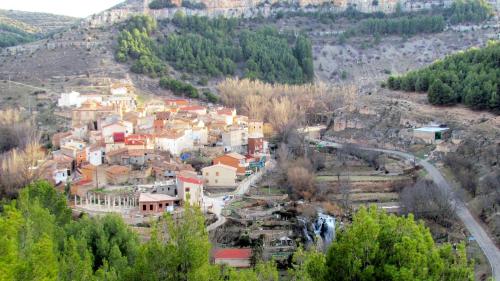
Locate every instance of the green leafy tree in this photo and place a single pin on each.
(378, 246)
(470, 77)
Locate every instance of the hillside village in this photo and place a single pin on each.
(282, 176)
(122, 154)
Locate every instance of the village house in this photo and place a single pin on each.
(167, 187)
(140, 157)
(200, 136)
(219, 175)
(95, 137)
(60, 176)
(233, 257)
(91, 97)
(151, 203)
(77, 150)
(164, 170)
(195, 109)
(118, 157)
(163, 115)
(145, 125)
(154, 106)
(240, 120)
(234, 160)
(256, 147)
(80, 131)
(132, 117)
(107, 120)
(139, 141)
(190, 186)
(56, 172)
(96, 155)
(255, 129)
(109, 130)
(117, 142)
(63, 161)
(179, 124)
(174, 141)
(117, 174)
(235, 138)
(176, 102)
(71, 99)
(57, 137)
(141, 176)
(89, 113)
(226, 115)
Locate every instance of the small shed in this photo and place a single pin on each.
(156, 203)
(432, 134)
(234, 257)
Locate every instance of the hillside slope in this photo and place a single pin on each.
(18, 27)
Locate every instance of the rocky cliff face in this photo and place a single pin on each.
(251, 8)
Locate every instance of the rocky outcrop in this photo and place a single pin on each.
(252, 8)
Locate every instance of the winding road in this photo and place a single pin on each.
(216, 203)
(487, 245)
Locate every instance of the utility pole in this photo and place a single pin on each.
(96, 178)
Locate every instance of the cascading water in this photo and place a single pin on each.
(323, 228)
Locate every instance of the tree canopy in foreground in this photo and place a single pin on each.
(40, 241)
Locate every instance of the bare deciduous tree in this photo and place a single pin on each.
(21, 163)
(345, 191)
(301, 181)
(426, 200)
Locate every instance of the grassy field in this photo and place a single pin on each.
(268, 190)
(15, 95)
(360, 178)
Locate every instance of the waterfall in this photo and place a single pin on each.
(323, 228)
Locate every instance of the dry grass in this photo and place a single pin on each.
(22, 162)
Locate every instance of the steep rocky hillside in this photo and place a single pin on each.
(17, 27)
(42, 23)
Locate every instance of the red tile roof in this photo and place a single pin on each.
(192, 108)
(190, 180)
(233, 253)
(134, 142)
(119, 137)
(137, 139)
(176, 102)
(225, 111)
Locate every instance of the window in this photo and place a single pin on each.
(150, 207)
(144, 207)
(161, 205)
(216, 181)
(206, 174)
(166, 205)
(216, 174)
(187, 189)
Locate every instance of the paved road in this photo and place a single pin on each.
(217, 202)
(487, 245)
